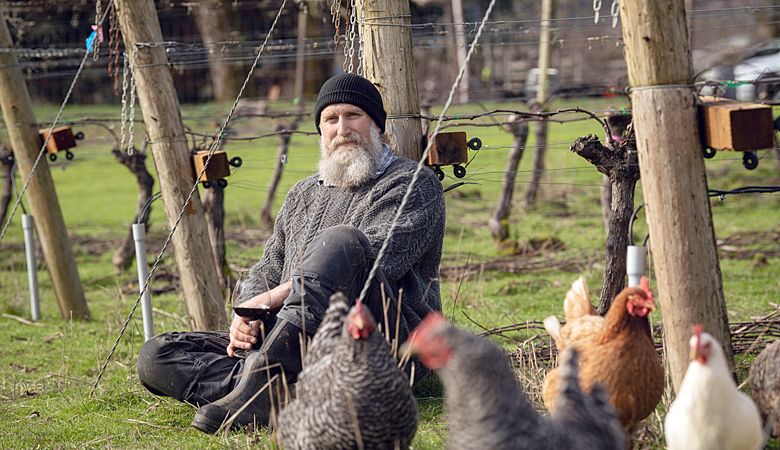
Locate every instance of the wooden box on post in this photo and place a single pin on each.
(448, 148)
(62, 139)
(218, 167)
(730, 125)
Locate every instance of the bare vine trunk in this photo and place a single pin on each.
(617, 239)
(538, 171)
(499, 222)
(606, 201)
(618, 122)
(620, 164)
(136, 163)
(266, 219)
(214, 206)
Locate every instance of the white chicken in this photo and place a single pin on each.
(710, 413)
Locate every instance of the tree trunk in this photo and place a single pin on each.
(499, 222)
(42, 197)
(617, 238)
(618, 123)
(266, 219)
(213, 20)
(606, 201)
(388, 61)
(7, 169)
(300, 50)
(214, 205)
(136, 163)
(538, 171)
(776, 154)
(162, 117)
(619, 164)
(682, 236)
(462, 49)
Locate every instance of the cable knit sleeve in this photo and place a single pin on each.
(267, 273)
(420, 226)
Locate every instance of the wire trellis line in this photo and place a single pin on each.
(212, 149)
(50, 133)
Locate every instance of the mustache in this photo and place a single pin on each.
(349, 139)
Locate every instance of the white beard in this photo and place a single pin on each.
(350, 160)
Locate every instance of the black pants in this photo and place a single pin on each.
(194, 366)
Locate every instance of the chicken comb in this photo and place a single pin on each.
(644, 284)
(432, 321)
(698, 329)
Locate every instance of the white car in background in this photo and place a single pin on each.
(757, 63)
(763, 63)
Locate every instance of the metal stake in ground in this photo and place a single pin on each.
(139, 236)
(32, 270)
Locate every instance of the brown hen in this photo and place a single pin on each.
(617, 350)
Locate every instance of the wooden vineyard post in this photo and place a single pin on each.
(41, 195)
(389, 63)
(499, 221)
(542, 95)
(199, 281)
(682, 238)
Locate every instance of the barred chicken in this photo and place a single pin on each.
(710, 413)
(487, 408)
(616, 350)
(351, 393)
(765, 385)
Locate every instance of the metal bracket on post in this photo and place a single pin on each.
(139, 236)
(32, 271)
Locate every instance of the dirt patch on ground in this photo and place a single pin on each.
(757, 246)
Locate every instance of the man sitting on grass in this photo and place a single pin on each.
(327, 235)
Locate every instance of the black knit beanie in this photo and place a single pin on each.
(355, 90)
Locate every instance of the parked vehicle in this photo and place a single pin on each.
(759, 69)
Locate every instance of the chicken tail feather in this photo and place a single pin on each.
(553, 327)
(577, 302)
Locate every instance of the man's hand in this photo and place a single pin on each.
(272, 299)
(243, 334)
(243, 331)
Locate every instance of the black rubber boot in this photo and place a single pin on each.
(280, 354)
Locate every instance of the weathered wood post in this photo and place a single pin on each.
(499, 221)
(388, 62)
(212, 18)
(682, 238)
(300, 49)
(542, 94)
(461, 49)
(41, 195)
(200, 285)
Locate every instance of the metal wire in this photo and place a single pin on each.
(194, 188)
(420, 163)
(42, 151)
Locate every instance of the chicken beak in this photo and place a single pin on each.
(359, 323)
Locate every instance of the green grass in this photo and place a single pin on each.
(47, 370)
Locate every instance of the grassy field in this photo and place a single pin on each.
(48, 369)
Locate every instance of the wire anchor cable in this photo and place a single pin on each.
(420, 163)
(217, 139)
(57, 118)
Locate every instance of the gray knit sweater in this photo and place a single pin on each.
(411, 260)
